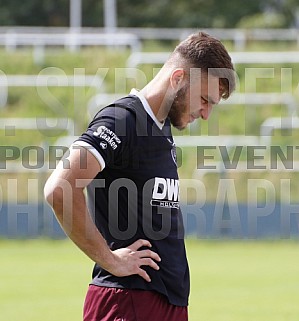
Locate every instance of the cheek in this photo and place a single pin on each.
(195, 100)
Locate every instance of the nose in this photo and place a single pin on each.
(205, 112)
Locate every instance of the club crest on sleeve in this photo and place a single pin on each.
(103, 145)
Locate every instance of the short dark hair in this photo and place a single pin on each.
(203, 51)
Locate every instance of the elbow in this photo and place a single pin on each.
(56, 194)
(53, 193)
(48, 192)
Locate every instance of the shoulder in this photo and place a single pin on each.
(117, 119)
(120, 116)
(125, 107)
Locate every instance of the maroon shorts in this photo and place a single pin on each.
(110, 304)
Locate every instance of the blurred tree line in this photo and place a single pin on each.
(157, 13)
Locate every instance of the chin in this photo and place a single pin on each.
(180, 126)
(178, 122)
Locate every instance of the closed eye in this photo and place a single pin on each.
(207, 101)
(204, 100)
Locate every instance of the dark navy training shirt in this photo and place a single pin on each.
(136, 195)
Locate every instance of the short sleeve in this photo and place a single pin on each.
(110, 135)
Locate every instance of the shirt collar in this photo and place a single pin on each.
(147, 107)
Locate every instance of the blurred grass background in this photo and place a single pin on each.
(230, 280)
(225, 120)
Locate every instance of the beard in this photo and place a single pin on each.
(178, 109)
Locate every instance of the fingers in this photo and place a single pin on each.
(149, 254)
(144, 253)
(146, 257)
(130, 260)
(149, 262)
(138, 244)
(144, 275)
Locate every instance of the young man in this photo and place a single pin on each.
(131, 224)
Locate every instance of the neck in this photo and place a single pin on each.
(160, 100)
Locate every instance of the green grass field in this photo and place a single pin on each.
(231, 280)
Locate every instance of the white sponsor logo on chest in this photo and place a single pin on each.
(165, 192)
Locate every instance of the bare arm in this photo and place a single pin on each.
(69, 204)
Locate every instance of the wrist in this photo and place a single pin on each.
(107, 260)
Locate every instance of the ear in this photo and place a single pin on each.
(176, 78)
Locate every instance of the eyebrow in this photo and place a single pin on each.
(209, 100)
